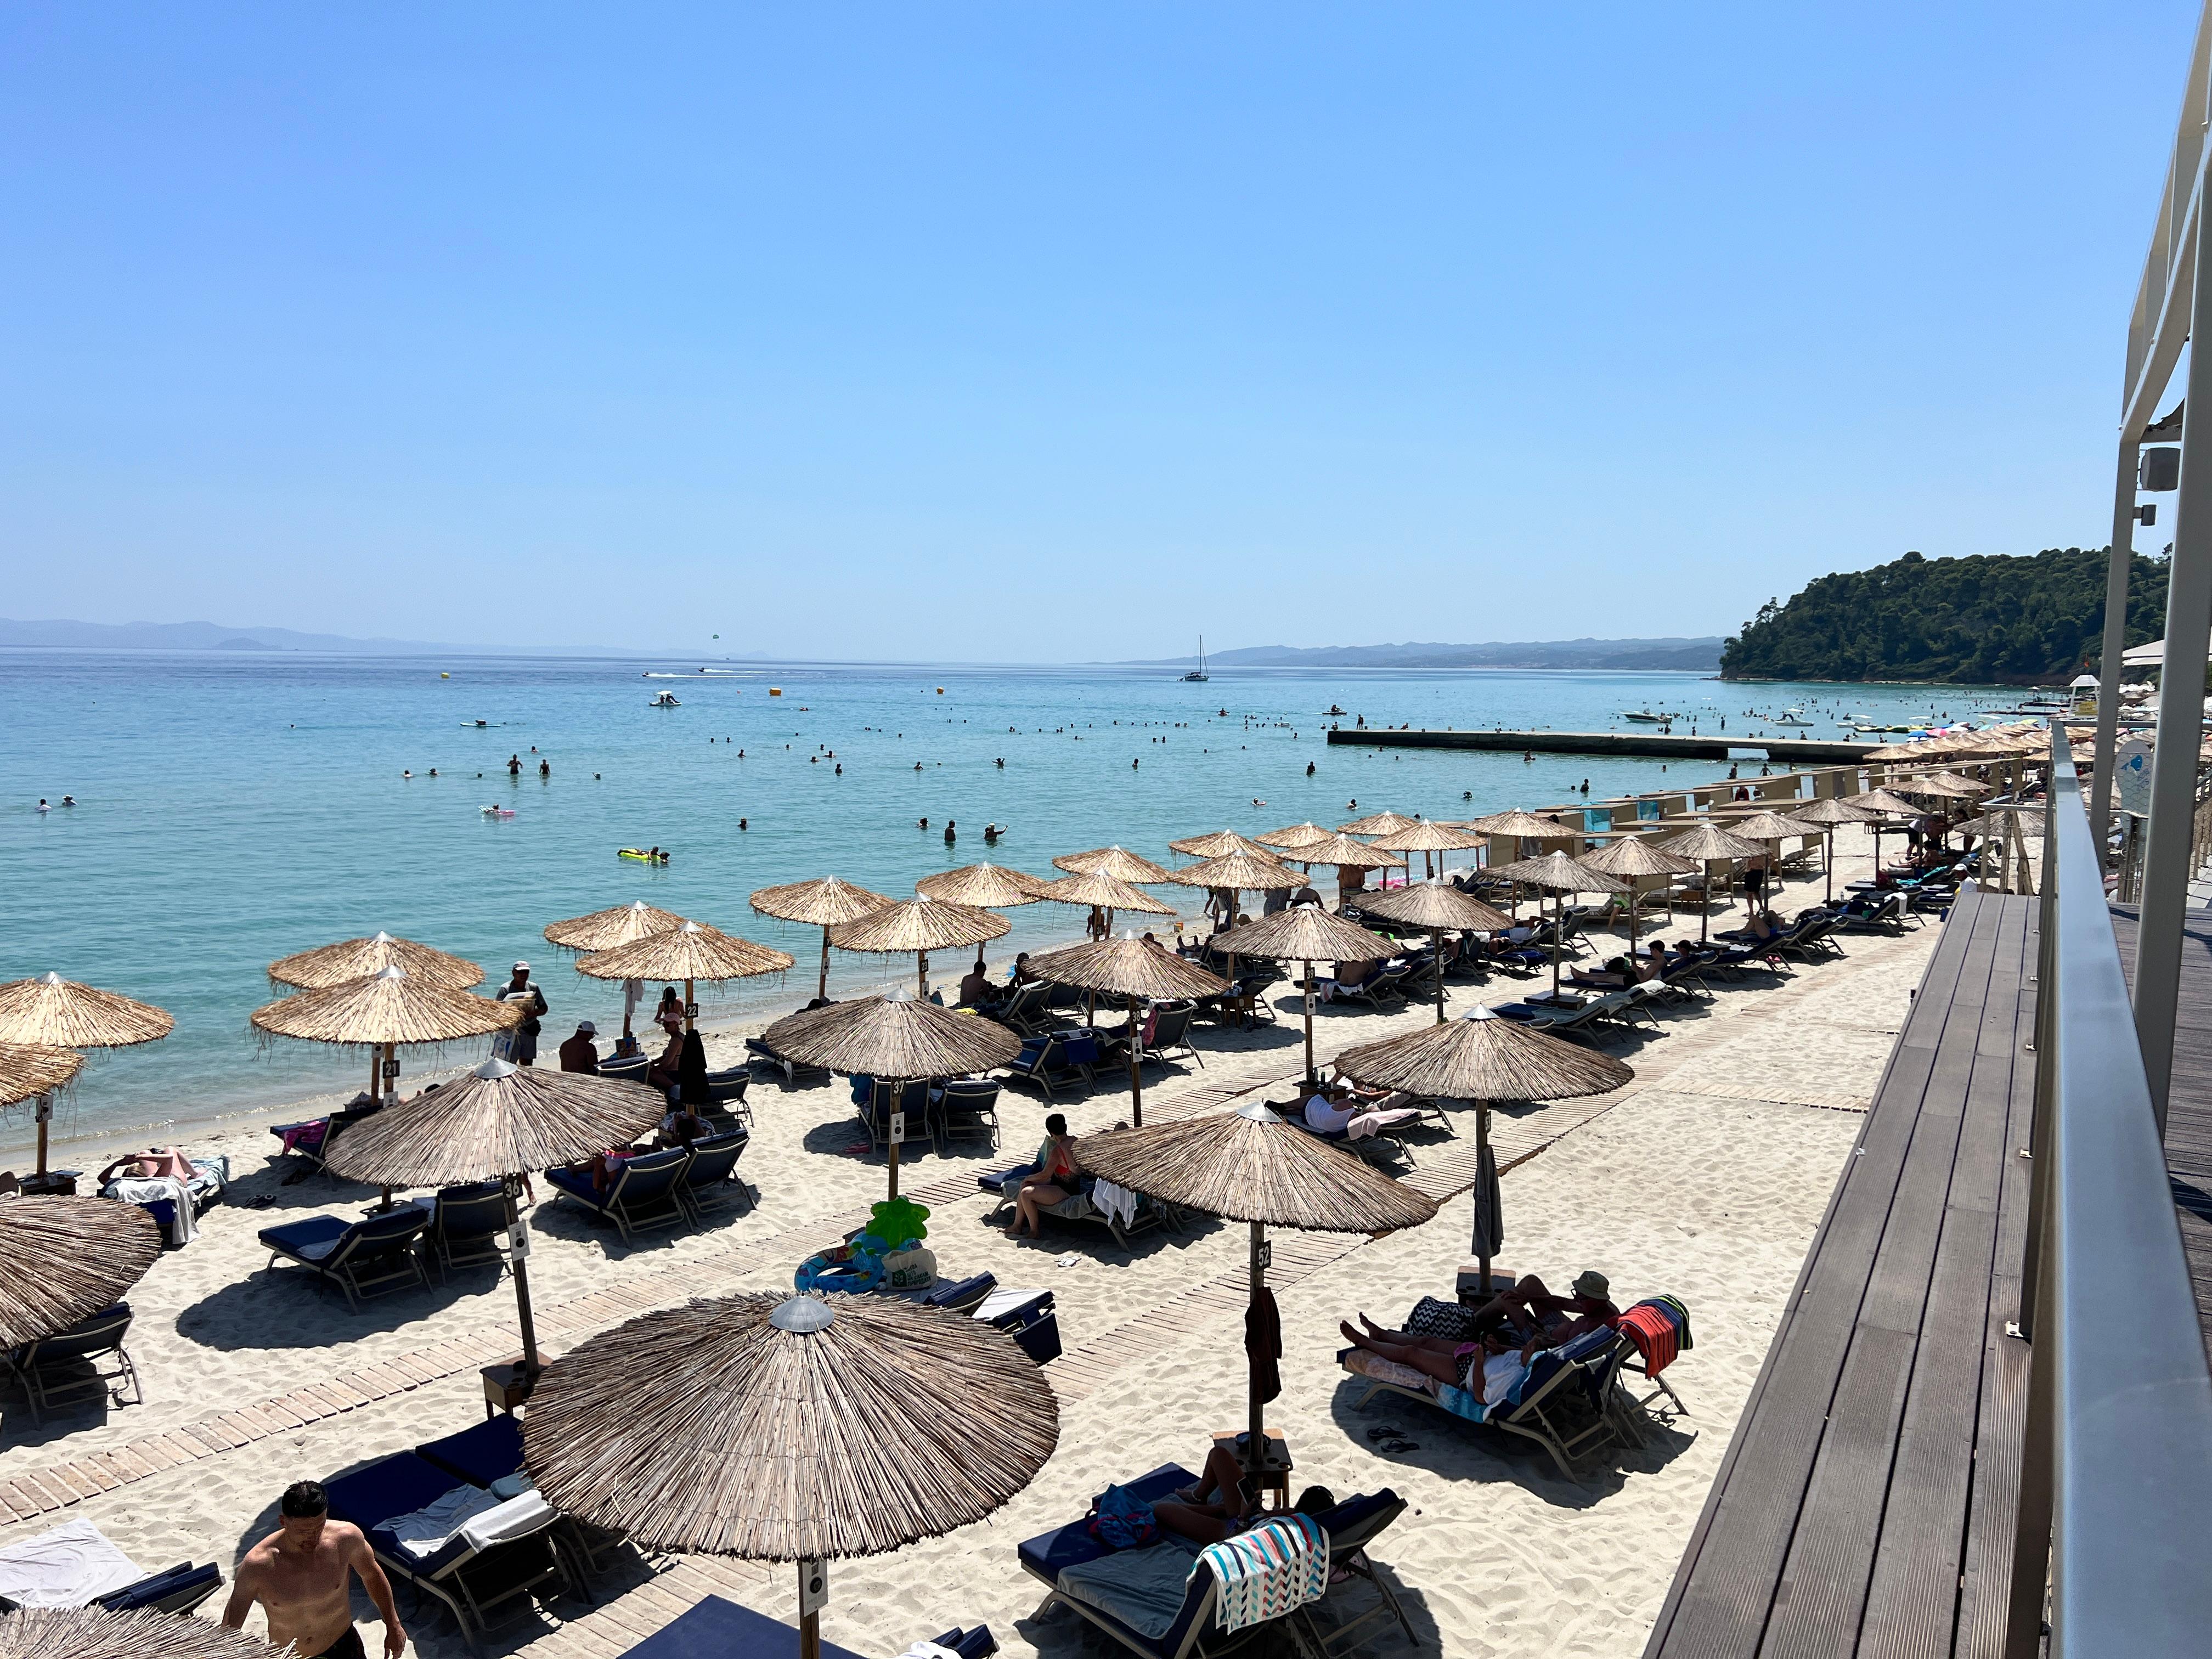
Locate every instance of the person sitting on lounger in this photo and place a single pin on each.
(1350, 976)
(976, 990)
(681, 1126)
(1221, 1502)
(1528, 1310)
(1337, 1108)
(667, 1072)
(1487, 1368)
(1053, 1181)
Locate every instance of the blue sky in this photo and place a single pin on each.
(1047, 332)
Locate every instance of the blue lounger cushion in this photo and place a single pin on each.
(310, 1240)
(577, 1184)
(387, 1489)
(490, 1451)
(720, 1629)
(1051, 1554)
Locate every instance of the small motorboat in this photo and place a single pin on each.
(1643, 717)
(1791, 717)
(665, 700)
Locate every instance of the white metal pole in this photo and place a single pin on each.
(2116, 573)
(2180, 709)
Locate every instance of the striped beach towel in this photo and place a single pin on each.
(1279, 1565)
(1658, 1332)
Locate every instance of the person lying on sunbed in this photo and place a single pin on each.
(1221, 1502)
(1350, 976)
(1486, 1368)
(1529, 1310)
(1338, 1108)
(147, 1166)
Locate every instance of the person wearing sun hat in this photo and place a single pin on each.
(522, 1043)
(1531, 1311)
(580, 1053)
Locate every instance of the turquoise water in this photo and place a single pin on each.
(234, 809)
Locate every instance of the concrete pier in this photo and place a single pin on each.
(1653, 744)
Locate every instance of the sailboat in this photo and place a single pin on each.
(1199, 673)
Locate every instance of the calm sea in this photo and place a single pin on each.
(232, 809)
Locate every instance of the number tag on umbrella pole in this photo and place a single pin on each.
(44, 1112)
(1263, 1254)
(391, 1069)
(898, 1125)
(814, 1587)
(517, 1240)
(690, 1011)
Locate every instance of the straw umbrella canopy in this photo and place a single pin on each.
(1707, 842)
(692, 952)
(1830, 813)
(773, 1445)
(53, 1013)
(1768, 828)
(1103, 892)
(919, 925)
(1631, 857)
(1377, 823)
(1434, 906)
(1947, 785)
(1556, 873)
(1220, 844)
(1484, 1061)
(603, 930)
(1292, 835)
(496, 1124)
(1427, 837)
(357, 958)
(1517, 823)
(1250, 1165)
(27, 1069)
(1116, 862)
(1882, 800)
(982, 886)
(825, 902)
(1129, 967)
(896, 1039)
(94, 1632)
(63, 1259)
(1261, 871)
(1306, 933)
(1342, 851)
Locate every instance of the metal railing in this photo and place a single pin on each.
(2116, 1483)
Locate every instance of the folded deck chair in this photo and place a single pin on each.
(482, 1557)
(66, 1367)
(467, 1223)
(640, 1194)
(710, 1180)
(364, 1259)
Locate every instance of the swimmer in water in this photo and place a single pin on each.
(69, 800)
(545, 769)
(948, 832)
(1002, 759)
(741, 823)
(406, 775)
(921, 824)
(43, 807)
(1310, 769)
(514, 766)
(433, 773)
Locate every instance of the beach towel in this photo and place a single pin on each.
(511, 1517)
(154, 1189)
(1280, 1564)
(66, 1567)
(306, 1137)
(1653, 1333)
(422, 1533)
(1118, 1204)
(1143, 1589)
(1263, 1345)
(1377, 1369)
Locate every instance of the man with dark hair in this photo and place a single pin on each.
(299, 1575)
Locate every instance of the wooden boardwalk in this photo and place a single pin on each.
(2189, 1101)
(1866, 1504)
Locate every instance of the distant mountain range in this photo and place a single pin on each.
(1695, 656)
(211, 637)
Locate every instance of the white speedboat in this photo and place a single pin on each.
(665, 700)
(1645, 717)
(1791, 717)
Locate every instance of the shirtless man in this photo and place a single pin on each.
(299, 1575)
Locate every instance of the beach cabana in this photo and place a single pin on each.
(1118, 862)
(823, 902)
(498, 1123)
(1434, 906)
(1251, 1165)
(1558, 874)
(897, 1040)
(388, 1010)
(1484, 1059)
(357, 958)
(1707, 842)
(1634, 859)
(920, 925)
(63, 1259)
(53, 1013)
(94, 1633)
(1128, 967)
(1305, 935)
(693, 953)
(790, 1429)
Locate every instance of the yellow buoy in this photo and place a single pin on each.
(776, 690)
(940, 691)
(445, 677)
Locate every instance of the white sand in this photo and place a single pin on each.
(1705, 1179)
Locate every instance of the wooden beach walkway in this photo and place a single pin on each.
(1866, 1504)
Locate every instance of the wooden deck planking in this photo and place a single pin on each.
(1845, 1515)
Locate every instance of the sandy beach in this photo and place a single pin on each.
(1703, 1178)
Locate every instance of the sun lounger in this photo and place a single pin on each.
(365, 1259)
(630, 1068)
(879, 1101)
(1005, 1184)
(1160, 1600)
(1378, 1149)
(710, 1181)
(177, 1589)
(311, 1143)
(490, 1454)
(75, 1564)
(967, 1109)
(1050, 1062)
(640, 1194)
(487, 1569)
(65, 1367)
(793, 1072)
(467, 1223)
(1024, 1009)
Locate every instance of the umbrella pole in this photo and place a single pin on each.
(1555, 947)
(1705, 904)
(822, 985)
(1481, 1146)
(530, 1363)
(1437, 961)
(810, 1621)
(45, 1111)
(1136, 1076)
(1307, 966)
(375, 1072)
(1255, 1445)
(922, 973)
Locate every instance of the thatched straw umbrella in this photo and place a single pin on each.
(53, 1013)
(823, 902)
(1558, 874)
(1234, 872)
(1769, 828)
(1634, 858)
(1434, 906)
(1377, 823)
(63, 1259)
(1249, 1165)
(1707, 842)
(1344, 854)
(1829, 813)
(692, 952)
(1305, 935)
(984, 886)
(897, 1040)
(1221, 844)
(357, 958)
(1426, 838)
(141, 1633)
(498, 1123)
(919, 925)
(1292, 835)
(1116, 862)
(1484, 1059)
(756, 1426)
(388, 1010)
(26, 1070)
(1104, 894)
(1128, 967)
(603, 930)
